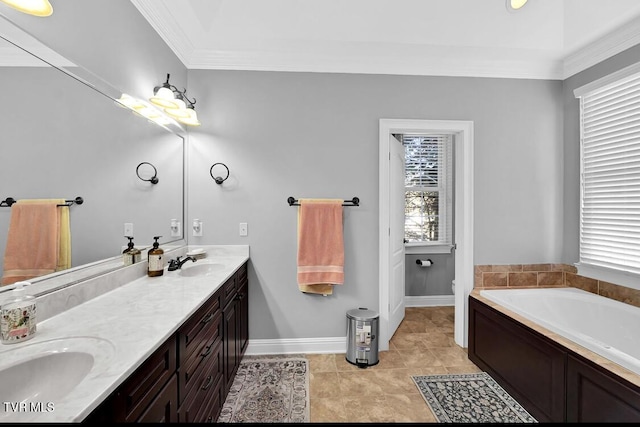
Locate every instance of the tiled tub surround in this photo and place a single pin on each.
(549, 275)
(135, 315)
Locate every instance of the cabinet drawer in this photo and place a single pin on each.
(142, 387)
(242, 275)
(195, 362)
(195, 333)
(206, 384)
(163, 409)
(229, 290)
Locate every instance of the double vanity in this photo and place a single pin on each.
(153, 349)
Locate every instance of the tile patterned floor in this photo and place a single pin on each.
(422, 345)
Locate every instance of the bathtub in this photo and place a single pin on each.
(602, 325)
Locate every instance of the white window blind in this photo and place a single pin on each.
(610, 176)
(428, 189)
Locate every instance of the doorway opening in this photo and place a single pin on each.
(390, 285)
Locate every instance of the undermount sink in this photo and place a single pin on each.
(47, 371)
(201, 269)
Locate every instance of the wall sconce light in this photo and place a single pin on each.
(513, 5)
(40, 8)
(144, 109)
(175, 103)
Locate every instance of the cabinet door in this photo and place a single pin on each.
(164, 408)
(230, 343)
(243, 319)
(527, 365)
(595, 396)
(134, 396)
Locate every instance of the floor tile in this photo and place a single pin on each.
(422, 345)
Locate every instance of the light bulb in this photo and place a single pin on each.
(516, 4)
(164, 98)
(32, 7)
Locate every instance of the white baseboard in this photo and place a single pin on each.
(330, 345)
(429, 301)
(297, 345)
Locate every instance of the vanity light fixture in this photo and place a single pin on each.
(175, 103)
(513, 5)
(40, 8)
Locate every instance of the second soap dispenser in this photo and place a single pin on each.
(131, 255)
(156, 259)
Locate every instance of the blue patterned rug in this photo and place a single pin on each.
(470, 398)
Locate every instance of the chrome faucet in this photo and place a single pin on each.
(176, 264)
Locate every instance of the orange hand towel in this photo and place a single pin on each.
(32, 241)
(320, 245)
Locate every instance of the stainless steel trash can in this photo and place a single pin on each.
(362, 337)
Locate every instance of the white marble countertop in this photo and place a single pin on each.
(131, 322)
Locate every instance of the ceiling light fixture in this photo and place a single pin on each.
(175, 103)
(32, 7)
(515, 4)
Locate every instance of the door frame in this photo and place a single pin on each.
(463, 131)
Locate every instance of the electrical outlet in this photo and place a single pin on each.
(243, 229)
(197, 227)
(128, 229)
(175, 228)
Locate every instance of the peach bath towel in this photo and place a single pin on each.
(38, 241)
(320, 245)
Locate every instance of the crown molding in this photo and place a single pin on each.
(445, 63)
(162, 21)
(356, 62)
(625, 37)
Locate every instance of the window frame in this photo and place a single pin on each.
(445, 190)
(618, 276)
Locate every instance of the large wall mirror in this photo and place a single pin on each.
(62, 138)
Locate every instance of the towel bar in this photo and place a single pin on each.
(6, 203)
(353, 202)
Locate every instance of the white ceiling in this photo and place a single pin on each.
(547, 39)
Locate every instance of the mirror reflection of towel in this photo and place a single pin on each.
(320, 245)
(38, 241)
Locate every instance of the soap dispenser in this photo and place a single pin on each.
(156, 259)
(131, 255)
(18, 316)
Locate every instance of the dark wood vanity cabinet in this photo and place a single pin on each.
(187, 379)
(550, 381)
(236, 324)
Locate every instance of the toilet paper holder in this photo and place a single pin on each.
(424, 262)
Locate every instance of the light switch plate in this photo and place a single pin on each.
(243, 229)
(128, 229)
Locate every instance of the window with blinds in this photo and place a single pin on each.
(610, 175)
(428, 188)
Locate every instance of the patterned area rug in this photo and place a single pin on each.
(470, 398)
(268, 390)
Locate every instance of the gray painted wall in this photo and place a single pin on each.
(571, 250)
(316, 135)
(429, 281)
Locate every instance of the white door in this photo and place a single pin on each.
(396, 234)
